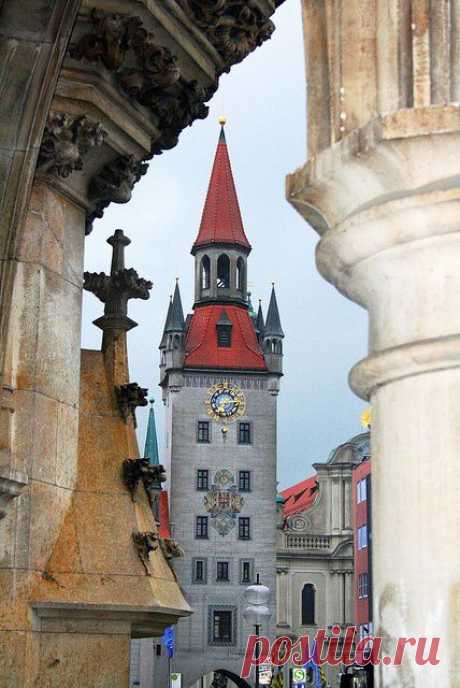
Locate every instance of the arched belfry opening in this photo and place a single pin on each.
(223, 272)
(205, 272)
(240, 275)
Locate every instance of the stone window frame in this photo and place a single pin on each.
(222, 581)
(195, 580)
(209, 431)
(249, 475)
(251, 571)
(222, 608)
(250, 430)
(199, 477)
(247, 520)
(205, 520)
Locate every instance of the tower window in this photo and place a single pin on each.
(205, 273)
(202, 432)
(201, 530)
(202, 479)
(223, 272)
(222, 572)
(246, 571)
(308, 605)
(222, 629)
(224, 336)
(244, 481)
(199, 571)
(244, 433)
(244, 528)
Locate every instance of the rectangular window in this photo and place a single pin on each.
(202, 479)
(201, 527)
(202, 432)
(244, 528)
(246, 575)
(363, 585)
(222, 573)
(244, 433)
(222, 627)
(244, 481)
(362, 537)
(158, 650)
(361, 491)
(199, 571)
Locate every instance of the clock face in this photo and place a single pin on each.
(225, 402)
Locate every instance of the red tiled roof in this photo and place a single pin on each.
(300, 497)
(164, 529)
(201, 350)
(221, 220)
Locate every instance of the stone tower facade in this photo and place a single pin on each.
(220, 373)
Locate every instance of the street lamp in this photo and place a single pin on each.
(257, 611)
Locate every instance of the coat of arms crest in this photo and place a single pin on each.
(223, 502)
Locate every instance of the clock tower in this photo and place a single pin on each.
(220, 374)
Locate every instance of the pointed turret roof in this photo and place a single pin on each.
(221, 222)
(273, 324)
(151, 442)
(176, 320)
(260, 324)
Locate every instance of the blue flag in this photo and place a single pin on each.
(169, 640)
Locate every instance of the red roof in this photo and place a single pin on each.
(300, 497)
(201, 350)
(221, 221)
(164, 530)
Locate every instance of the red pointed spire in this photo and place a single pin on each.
(221, 221)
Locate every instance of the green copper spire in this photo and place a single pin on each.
(151, 443)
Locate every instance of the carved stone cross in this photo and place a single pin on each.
(116, 290)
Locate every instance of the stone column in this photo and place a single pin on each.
(382, 189)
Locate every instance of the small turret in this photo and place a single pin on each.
(273, 337)
(172, 343)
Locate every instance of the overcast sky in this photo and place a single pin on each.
(264, 100)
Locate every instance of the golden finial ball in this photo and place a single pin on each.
(222, 120)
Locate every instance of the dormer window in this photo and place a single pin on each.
(224, 331)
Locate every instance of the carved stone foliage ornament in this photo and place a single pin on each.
(146, 71)
(234, 27)
(146, 543)
(66, 141)
(129, 397)
(137, 470)
(223, 502)
(114, 183)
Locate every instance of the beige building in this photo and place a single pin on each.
(315, 547)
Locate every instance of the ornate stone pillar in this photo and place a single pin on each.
(381, 188)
